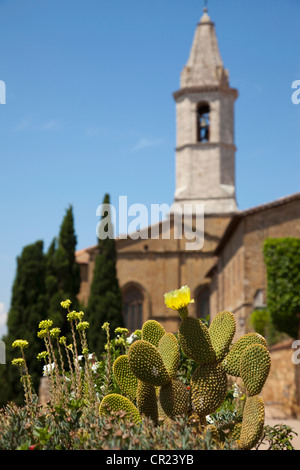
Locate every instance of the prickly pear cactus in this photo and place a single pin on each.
(116, 402)
(148, 374)
(211, 348)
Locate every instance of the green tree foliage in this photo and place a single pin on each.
(282, 258)
(42, 281)
(26, 311)
(62, 278)
(262, 323)
(105, 300)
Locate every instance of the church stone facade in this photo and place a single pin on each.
(227, 273)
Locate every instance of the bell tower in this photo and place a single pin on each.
(205, 149)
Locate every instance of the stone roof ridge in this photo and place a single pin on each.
(253, 210)
(268, 205)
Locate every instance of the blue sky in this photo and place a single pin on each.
(89, 108)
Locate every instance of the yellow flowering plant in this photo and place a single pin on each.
(179, 299)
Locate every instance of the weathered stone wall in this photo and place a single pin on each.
(279, 392)
(241, 273)
(156, 266)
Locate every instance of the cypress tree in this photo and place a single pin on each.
(62, 273)
(105, 300)
(26, 311)
(41, 283)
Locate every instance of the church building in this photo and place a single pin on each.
(228, 272)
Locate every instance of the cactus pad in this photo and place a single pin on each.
(115, 402)
(168, 347)
(253, 422)
(221, 332)
(147, 364)
(147, 401)
(231, 363)
(236, 432)
(152, 331)
(174, 398)
(195, 340)
(209, 388)
(255, 366)
(124, 377)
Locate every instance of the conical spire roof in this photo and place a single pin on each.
(205, 66)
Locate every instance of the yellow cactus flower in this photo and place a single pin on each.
(179, 299)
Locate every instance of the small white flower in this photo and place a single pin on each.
(95, 367)
(47, 369)
(130, 338)
(235, 390)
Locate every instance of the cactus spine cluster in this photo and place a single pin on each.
(148, 374)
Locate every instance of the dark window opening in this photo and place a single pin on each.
(84, 271)
(202, 302)
(203, 123)
(133, 309)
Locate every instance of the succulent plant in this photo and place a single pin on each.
(147, 375)
(126, 380)
(116, 402)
